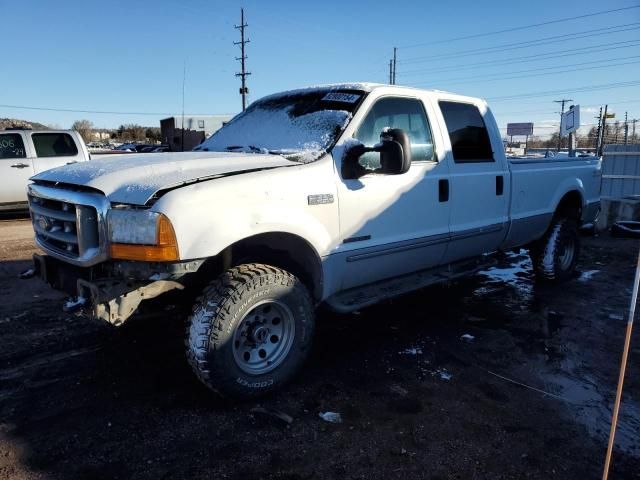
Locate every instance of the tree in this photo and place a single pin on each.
(153, 134)
(84, 128)
(131, 132)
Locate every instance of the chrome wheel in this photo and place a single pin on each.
(566, 256)
(264, 337)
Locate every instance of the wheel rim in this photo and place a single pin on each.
(264, 337)
(566, 256)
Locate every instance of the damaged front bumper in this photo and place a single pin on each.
(112, 292)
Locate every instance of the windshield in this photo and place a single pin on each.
(300, 125)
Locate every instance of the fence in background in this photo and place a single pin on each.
(621, 172)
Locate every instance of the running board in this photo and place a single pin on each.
(360, 297)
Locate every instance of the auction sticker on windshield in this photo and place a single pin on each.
(341, 97)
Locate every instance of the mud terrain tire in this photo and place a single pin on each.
(250, 331)
(555, 255)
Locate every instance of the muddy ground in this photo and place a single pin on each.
(526, 393)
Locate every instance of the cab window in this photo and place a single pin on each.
(396, 112)
(11, 146)
(468, 134)
(54, 145)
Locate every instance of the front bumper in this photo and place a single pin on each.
(112, 291)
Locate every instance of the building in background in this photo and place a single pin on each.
(196, 129)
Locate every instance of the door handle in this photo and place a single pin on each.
(499, 185)
(19, 165)
(443, 190)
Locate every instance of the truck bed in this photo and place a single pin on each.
(538, 184)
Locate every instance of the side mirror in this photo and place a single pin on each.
(395, 155)
(395, 151)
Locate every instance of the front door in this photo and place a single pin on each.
(392, 224)
(15, 169)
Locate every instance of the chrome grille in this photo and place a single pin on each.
(56, 225)
(68, 224)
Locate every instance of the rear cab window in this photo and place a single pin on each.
(11, 146)
(468, 133)
(54, 145)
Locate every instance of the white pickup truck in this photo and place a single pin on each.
(26, 152)
(342, 195)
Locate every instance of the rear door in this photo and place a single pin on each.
(15, 169)
(479, 190)
(54, 149)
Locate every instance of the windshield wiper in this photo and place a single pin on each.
(252, 148)
(289, 154)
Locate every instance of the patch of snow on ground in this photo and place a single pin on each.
(443, 374)
(331, 417)
(70, 303)
(411, 351)
(514, 274)
(587, 275)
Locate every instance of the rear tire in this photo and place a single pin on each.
(555, 255)
(250, 331)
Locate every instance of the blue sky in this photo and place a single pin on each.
(128, 56)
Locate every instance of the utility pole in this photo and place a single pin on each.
(633, 131)
(597, 139)
(390, 72)
(244, 91)
(394, 65)
(626, 128)
(563, 101)
(184, 77)
(603, 134)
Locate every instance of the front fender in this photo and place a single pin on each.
(210, 216)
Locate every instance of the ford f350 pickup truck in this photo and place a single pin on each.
(342, 195)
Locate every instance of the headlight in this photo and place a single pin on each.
(141, 235)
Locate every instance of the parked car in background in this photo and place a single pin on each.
(24, 153)
(342, 195)
(161, 149)
(126, 147)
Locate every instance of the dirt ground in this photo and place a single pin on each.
(492, 377)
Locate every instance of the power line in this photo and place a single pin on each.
(587, 88)
(529, 58)
(554, 71)
(527, 44)
(108, 112)
(523, 27)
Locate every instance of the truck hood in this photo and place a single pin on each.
(135, 178)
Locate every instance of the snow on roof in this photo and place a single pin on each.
(364, 86)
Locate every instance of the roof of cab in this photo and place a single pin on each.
(369, 87)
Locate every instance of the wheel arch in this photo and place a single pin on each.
(570, 205)
(279, 249)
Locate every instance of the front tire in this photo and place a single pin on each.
(555, 255)
(250, 331)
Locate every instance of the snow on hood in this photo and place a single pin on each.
(135, 178)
